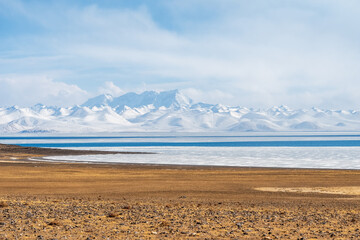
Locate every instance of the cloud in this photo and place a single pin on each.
(30, 90)
(208, 96)
(258, 53)
(111, 88)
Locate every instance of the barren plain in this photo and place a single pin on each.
(43, 200)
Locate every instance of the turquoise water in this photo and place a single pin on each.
(310, 140)
(274, 140)
(319, 143)
(179, 136)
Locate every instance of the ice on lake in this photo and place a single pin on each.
(283, 157)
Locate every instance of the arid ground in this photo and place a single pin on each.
(41, 200)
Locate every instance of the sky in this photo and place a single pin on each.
(258, 53)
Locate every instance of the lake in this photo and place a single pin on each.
(285, 150)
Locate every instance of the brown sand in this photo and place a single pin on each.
(13, 152)
(99, 201)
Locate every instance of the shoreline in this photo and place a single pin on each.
(42, 159)
(12, 149)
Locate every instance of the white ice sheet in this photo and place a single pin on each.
(285, 157)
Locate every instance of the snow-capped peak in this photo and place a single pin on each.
(98, 101)
(166, 99)
(169, 111)
(172, 99)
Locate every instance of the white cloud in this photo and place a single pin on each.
(111, 88)
(264, 55)
(254, 53)
(30, 90)
(209, 96)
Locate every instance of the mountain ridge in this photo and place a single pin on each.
(169, 111)
(172, 98)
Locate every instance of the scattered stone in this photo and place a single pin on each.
(112, 215)
(54, 223)
(28, 215)
(280, 220)
(3, 204)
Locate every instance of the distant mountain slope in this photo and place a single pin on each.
(168, 111)
(166, 99)
(98, 101)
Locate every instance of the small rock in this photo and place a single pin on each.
(239, 225)
(112, 215)
(28, 214)
(54, 223)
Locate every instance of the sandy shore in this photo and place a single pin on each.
(100, 201)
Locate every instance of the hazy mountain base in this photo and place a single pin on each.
(169, 111)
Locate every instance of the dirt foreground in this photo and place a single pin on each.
(40, 200)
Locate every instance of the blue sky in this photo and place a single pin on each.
(257, 53)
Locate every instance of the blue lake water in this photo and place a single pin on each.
(310, 150)
(319, 143)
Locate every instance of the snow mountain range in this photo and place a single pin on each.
(168, 111)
